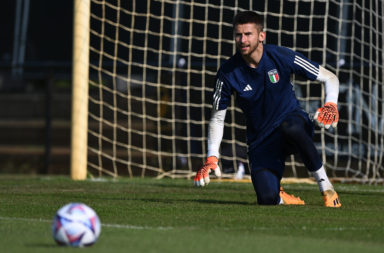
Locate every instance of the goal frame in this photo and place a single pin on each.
(80, 100)
(80, 76)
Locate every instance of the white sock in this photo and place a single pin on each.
(322, 180)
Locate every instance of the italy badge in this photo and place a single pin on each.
(273, 76)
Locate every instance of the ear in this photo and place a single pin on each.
(262, 36)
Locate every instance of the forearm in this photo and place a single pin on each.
(215, 132)
(331, 83)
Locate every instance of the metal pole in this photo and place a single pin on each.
(48, 125)
(23, 38)
(16, 38)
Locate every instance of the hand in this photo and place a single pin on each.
(202, 176)
(327, 115)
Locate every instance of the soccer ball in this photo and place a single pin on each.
(76, 225)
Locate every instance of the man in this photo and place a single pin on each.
(259, 75)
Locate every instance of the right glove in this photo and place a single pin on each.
(202, 176)
(327, 115)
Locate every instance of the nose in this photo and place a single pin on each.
(242, 38)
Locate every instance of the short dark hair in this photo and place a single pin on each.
(246, 17)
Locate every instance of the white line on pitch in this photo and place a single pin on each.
(135, 227)
(124, 226)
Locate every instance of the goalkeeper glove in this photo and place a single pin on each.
(327, 115)
(202, 176)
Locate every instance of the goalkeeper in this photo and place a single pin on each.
(259, 75)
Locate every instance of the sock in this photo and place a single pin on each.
(281, 202)
(322, 180)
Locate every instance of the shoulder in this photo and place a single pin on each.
(280, 51)
(295, 61)
(230, 65)
(283, 56)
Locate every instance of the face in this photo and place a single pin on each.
(248, 38)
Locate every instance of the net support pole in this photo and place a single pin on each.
(80, 72)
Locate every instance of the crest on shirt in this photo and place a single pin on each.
(273, 76)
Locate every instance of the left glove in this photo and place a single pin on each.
(202, 176)
(327, 115)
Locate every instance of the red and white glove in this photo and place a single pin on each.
(202, 176)
(327, 115)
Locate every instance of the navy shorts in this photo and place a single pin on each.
(272, 151)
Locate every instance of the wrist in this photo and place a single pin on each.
(212, 159)
(330, 104)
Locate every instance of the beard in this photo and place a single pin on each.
(247, 49)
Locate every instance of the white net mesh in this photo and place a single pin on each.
(152, 70)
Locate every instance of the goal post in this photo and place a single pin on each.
(80, 77)
(152, 66)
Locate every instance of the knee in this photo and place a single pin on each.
(267, 186)
(291, 129)
(268, 198)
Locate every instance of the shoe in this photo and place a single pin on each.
(331, 199)
(290, 199)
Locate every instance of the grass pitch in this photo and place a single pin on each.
(149, 215)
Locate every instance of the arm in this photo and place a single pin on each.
(215, 132)
(215, 135)
(331, 83)
(328, 114)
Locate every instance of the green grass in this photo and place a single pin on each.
(149, 215)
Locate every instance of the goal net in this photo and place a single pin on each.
(152, 71)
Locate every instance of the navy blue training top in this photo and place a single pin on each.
(265, 94)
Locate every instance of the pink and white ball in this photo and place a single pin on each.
(76, 225)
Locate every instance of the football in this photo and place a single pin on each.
(76, 225)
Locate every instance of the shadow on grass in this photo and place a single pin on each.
(172, 200)
(224, 202)
(43, 245)
(204, 201)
